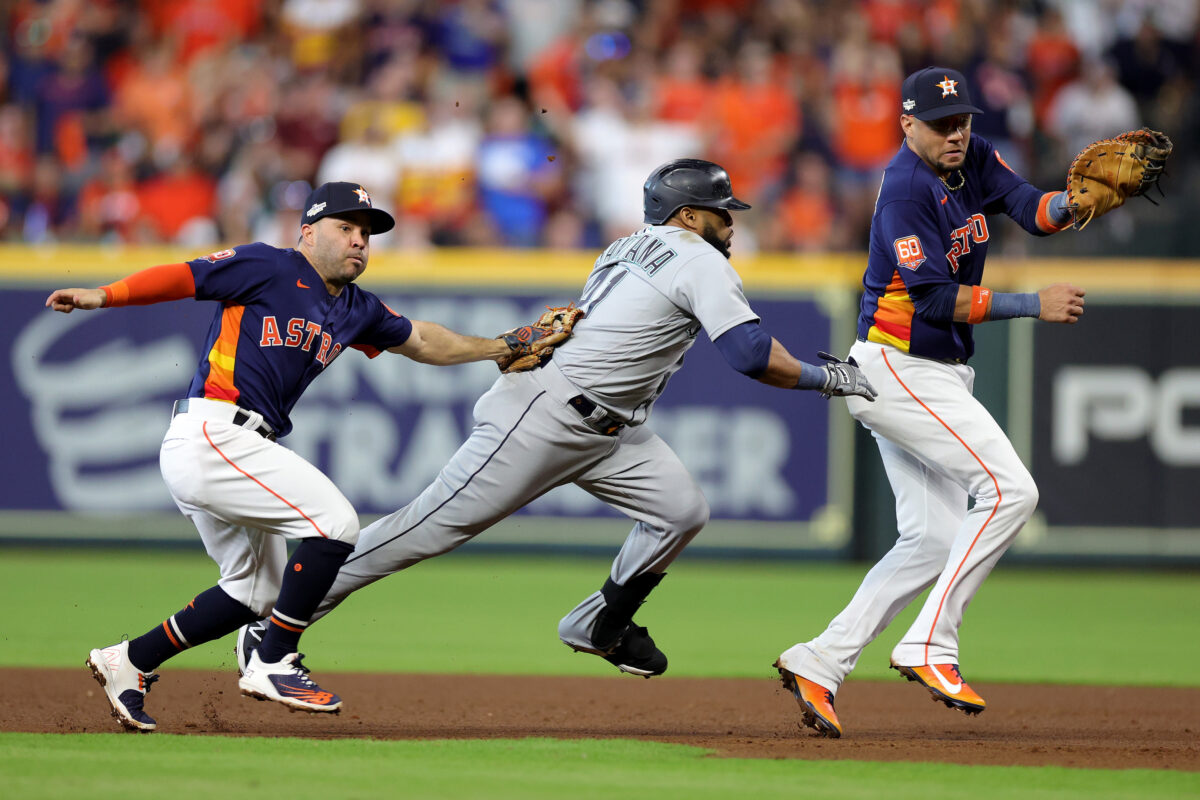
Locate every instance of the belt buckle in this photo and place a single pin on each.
(609, 426)
(242, 416)
(605, 425)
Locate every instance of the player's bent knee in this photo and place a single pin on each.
(258, 594)
(344, 529)
(691, 514)
(1023, 495)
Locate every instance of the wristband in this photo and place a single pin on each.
(981, 300)
(1053, 213)
(115, 294)
(1057, 208)
(811, 377)
(1015, 304)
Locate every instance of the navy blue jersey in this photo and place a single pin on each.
(924, 234)
(278, 328)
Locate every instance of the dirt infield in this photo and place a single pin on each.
(1073, 726)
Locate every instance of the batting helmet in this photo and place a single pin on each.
(687, 182)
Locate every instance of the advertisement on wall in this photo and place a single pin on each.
(1116, 427)
(90, 395)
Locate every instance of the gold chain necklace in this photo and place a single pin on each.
(962, 179)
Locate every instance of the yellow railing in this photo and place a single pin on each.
(61, 265)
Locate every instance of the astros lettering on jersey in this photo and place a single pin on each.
(278, 328)
(911, 246)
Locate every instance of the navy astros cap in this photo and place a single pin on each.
(936, 92)
(339, 197)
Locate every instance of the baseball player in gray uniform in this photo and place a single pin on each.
(580, 417)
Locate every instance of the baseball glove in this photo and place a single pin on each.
(532, 345)
(1108, 172)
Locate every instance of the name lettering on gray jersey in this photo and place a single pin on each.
(643, 249)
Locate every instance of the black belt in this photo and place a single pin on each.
(607, 425)
(240, 418)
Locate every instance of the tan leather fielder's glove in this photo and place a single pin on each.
(1108, 172)
(532, 345)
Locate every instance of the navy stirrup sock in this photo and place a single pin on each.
(210, 615)
(309, 574)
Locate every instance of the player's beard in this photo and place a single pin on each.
(947, 164)
(336, 267)
(709, 234)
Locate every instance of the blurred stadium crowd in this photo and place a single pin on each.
(533, 122)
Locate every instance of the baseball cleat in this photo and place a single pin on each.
(816, 703)
(287, 682)
(249, 637)
(635, 653)
(125, 685)
(946, 684)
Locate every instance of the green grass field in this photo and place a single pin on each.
(714, 619)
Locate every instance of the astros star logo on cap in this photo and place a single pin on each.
(947, 86)
(363, 197)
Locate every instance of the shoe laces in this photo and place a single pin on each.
(302, 672)
(147, 678)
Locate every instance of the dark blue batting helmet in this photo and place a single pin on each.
(687, 182)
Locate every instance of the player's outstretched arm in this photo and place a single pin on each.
(752, 351)
(836, 378)
(1062, 302)
(152, 285)
(431, 343)
(67, 300)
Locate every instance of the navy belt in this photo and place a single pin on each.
(240, 418)
(607, 425)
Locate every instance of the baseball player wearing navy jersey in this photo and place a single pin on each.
(923, 293)
(284, 316)
(580, 418)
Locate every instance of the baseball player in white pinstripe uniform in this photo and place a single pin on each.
(940, 446)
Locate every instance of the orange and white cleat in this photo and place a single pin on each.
(946, 684)
(816, 703)
(125, 685)
(287, 683)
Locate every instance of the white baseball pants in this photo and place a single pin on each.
(939, 447)
(247, 495)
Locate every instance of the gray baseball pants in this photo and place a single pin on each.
(527, 440)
